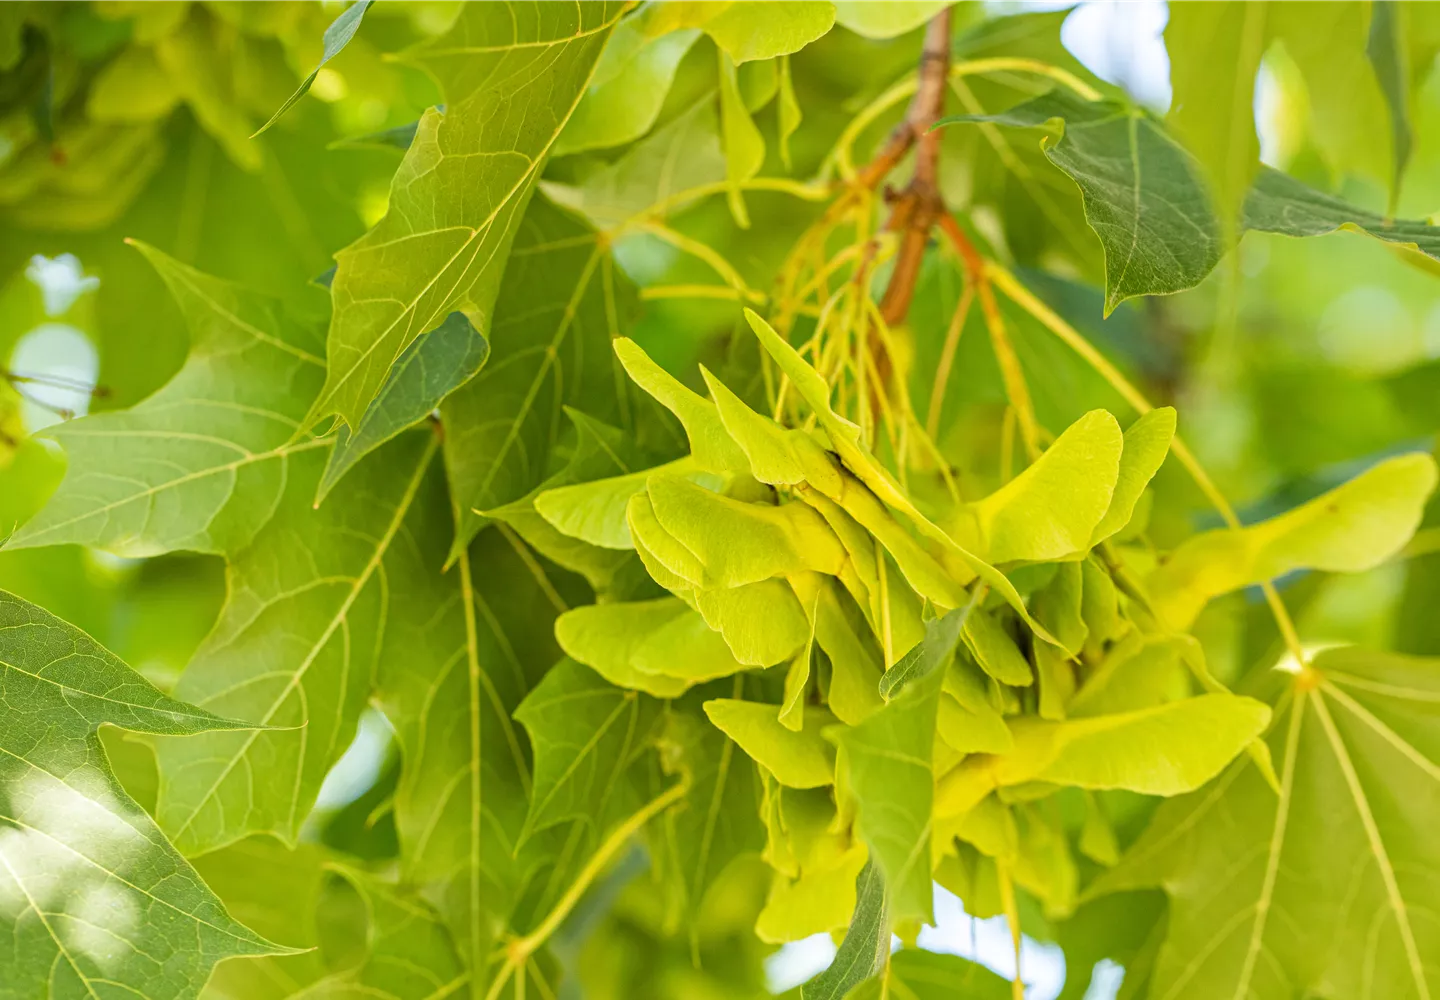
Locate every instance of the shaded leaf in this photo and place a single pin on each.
(928, 975)
(682, 154)
(462, 649)
(433, 366)
(1146, 200)
(866, 943)
(202, 463)
(586, 733)
(1344, 854)
(887, 759)
(550, 348)
(295, 647)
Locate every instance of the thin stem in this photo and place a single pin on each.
(722, 267)
(1012, 917)
(521, 949)
(947, 359)
(1017, 390)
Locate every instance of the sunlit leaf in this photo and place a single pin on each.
(1352, 528)
(747, 29)
(797, 759)
(886, 20)
(1053, 508)
(92, 895)
(1343, 854)
(433, 252)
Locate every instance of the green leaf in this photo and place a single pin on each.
(688, 649)
(1052, 509)
(1280, 204)
(888, 763)
(928, 975)
(582, 536)
(1344, 854)
(607, 638)
(886, 20)
(866, 944)
(737, 543)
(276, 891)
(550, 345)
(201, 464)
(744, 146)
(1146, 443)
(995, 651)
(720, 823)
(462, 649)
(628, 89)
(1060, 605)
(1217, 49)
(931, 654)
(746, 29)
(407, 953)
(1386, 51)
(682, 154)
(1144, 194)
(797, 759)
(586, 733)
(710, 444)
(812, 890)
(1147, 201)
(435, 251)
(337, 36)
(295, 648)
(763, 623)
(92, 895)
(1352, 528)
(1165, 750)
(433, 366)
(845, 439)
(789, 110)
(777, 455)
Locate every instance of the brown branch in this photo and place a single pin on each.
(914, 210)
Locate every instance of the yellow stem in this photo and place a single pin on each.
(701, 251)
(520, 950)
(842, 155)
(1012, 917)
(1016, 389)
(947, 360)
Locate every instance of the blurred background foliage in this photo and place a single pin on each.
(1296, 364)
